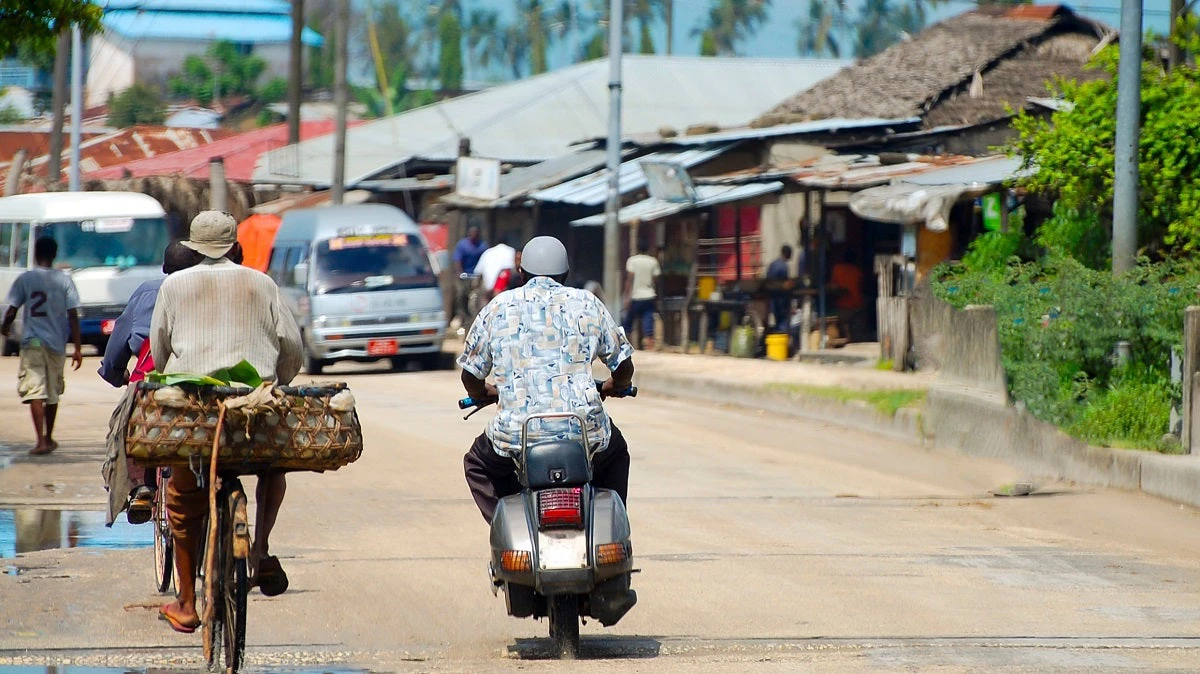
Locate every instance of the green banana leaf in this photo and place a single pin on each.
(243, 373)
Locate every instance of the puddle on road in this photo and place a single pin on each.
(249, 669)
(27, 530)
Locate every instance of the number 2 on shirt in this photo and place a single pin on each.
(37, 304)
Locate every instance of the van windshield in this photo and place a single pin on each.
(372, 262)
(108, 242)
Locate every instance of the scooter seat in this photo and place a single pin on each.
(557, 463)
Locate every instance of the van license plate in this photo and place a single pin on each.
(562, 549)
(382, 347)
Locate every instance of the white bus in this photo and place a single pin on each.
(109, 242)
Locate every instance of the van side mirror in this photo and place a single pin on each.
(300, 274)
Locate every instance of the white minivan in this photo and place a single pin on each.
(109, 242)
(361, 283)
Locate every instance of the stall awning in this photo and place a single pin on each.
(707, 195)
(928, 197)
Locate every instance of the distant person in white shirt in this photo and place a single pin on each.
(51, 313)
(641, 277)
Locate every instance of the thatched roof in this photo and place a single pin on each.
(964, 70)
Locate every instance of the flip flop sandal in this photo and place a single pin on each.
(175, 624)
(270, 578)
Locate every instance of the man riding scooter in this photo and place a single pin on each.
(539, 341)
(551, 472)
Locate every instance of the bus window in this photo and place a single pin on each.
(6, 247)
(20, 246)
(275, 268)
(295, 255)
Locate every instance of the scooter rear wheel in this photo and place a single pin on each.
(564, 626)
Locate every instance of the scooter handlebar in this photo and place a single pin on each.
(468, 402)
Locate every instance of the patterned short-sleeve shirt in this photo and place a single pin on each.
(539, 342)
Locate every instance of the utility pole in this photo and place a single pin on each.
(670, 19)
(340, 32)
(58, 99)
(612, 227)
(76, 104)
(295, 72)
(1125, 169)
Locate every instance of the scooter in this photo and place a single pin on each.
(561, 548)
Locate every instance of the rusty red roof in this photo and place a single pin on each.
(136, 142)
(239, 152)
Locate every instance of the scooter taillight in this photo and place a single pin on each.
(560, 508)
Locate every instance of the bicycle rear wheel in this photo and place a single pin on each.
(214, 628)
(164, 543)
(235, 584)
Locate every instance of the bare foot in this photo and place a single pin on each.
(181, 619)
(44, 448)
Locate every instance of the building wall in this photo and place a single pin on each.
(781, 224)
(110, 68)
(155, 61)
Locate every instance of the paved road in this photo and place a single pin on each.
(766, 544)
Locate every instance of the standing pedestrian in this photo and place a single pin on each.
(781, 300)
(467, 252)
(641, 294)
(51, 305)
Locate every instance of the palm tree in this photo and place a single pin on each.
(645, 13)
(821, 34)
(730, 22)
(881, 24)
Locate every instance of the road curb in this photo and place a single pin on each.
(905, 425)
(961, 420)
(966, 422)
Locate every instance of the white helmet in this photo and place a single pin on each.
(544, 256)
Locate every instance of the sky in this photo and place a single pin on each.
(777, 37)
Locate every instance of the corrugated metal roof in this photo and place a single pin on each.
(256, 6)
(592, 189)
(796, 129)
(707, 195)
(519, 182)
(541, 117)
(859, 172)
(986, 171)
(239, 152)
(136, 142)
(410, 184)
(240, 26)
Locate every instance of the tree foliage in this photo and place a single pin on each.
(450, 53)
(139, 104)
(729, 23)
(223, 71)
(1073, 153)
(35, 24)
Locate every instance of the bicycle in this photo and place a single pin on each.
(224, 573)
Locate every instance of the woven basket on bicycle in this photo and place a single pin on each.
(302, 428)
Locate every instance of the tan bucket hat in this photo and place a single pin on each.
(212, 233)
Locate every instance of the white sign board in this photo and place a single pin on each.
(668, 181)
(477, 178)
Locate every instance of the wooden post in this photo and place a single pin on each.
(13, 186)
(1191, 361)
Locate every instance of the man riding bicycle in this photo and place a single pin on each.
(539, 341)
(210, 317)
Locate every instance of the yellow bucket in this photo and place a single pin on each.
(705, 285)
(777, 346)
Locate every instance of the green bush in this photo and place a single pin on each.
(1059, 322)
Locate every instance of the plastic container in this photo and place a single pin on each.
(705, 285)
(741, 343)
(777, 346)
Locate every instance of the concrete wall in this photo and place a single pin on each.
(110, 69)
(967, 410)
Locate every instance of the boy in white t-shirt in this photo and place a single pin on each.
(641, 296)
(51, 305)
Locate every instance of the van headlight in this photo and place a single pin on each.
(330, 322)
